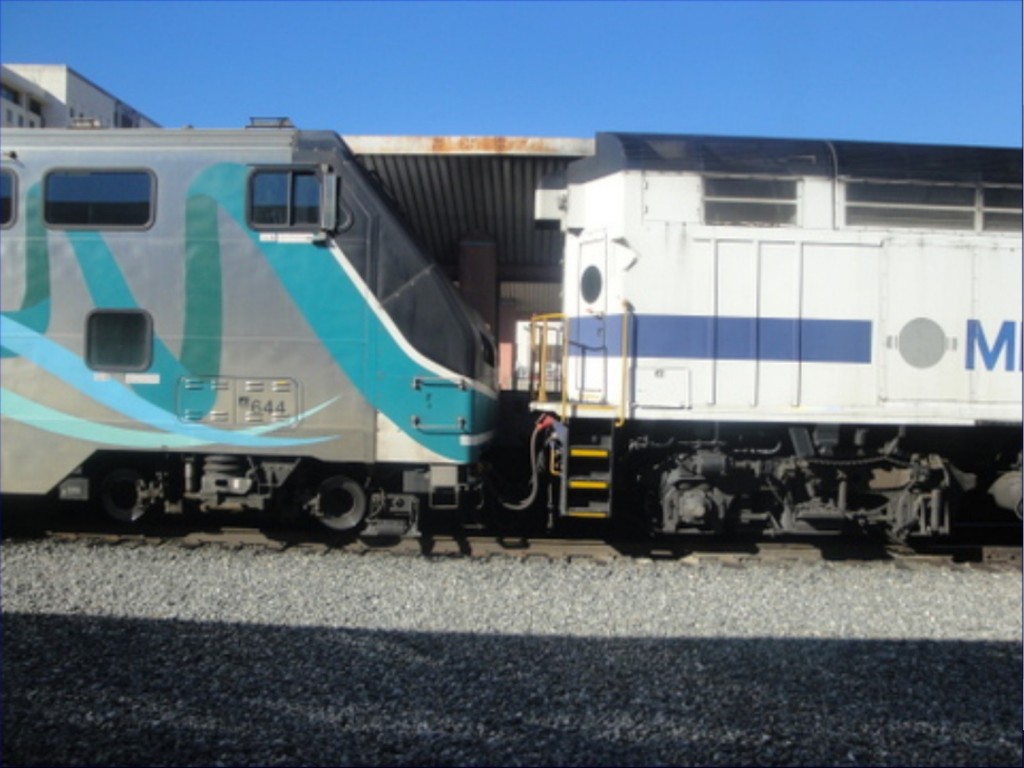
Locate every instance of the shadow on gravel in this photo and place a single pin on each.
(169, 692)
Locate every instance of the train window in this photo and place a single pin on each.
(487, 350)
(119, 340)
(749, 201)
(284, 198)
(930, 206)
(591, 284)
(75, 198)
(306, 198)
(6, 198)
(1001, 209)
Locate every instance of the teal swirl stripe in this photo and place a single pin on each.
(59, 362)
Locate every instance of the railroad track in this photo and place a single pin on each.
(478, 545)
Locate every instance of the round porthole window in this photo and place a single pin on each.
(590, 284)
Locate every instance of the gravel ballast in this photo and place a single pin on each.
(163, 655)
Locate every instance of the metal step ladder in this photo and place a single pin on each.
(587, 462)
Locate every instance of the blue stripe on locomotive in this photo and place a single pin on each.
(706, 337)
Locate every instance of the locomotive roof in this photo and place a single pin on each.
(797, 157)
(448, 187)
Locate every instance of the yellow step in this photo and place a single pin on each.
(586, 513)
(589, 453)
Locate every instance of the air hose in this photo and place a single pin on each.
(543, 423)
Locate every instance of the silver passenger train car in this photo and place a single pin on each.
(228, 319)
(798, 335)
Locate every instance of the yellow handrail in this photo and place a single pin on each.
(540, 346)
(623, 395)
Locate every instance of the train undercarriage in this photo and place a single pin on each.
(704, 479)
(380, 501)
(720, 478)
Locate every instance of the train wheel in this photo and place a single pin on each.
(340, 504)
(124, 495)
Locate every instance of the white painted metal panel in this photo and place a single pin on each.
(993, 350)
(588, 348)
(671, 197)
(778, 382)
(736, 292)
(663, 384)
(838, 284)
(925, 302)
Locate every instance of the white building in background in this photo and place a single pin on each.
(54, 96)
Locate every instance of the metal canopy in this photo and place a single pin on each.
(456, 187)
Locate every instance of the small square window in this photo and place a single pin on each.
(270, 199)
(305, 199)
(119, 340)
(285, 199)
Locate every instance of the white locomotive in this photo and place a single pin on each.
(797, 334)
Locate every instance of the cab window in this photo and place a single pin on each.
(284, 199)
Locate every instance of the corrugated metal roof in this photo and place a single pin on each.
(452, 187)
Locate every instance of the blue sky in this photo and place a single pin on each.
(930, 72)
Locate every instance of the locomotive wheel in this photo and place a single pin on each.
(122, 497)
(341, 503)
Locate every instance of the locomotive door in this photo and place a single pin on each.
(923, 321)
(589, 331)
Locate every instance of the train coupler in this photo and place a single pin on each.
(393, 516)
